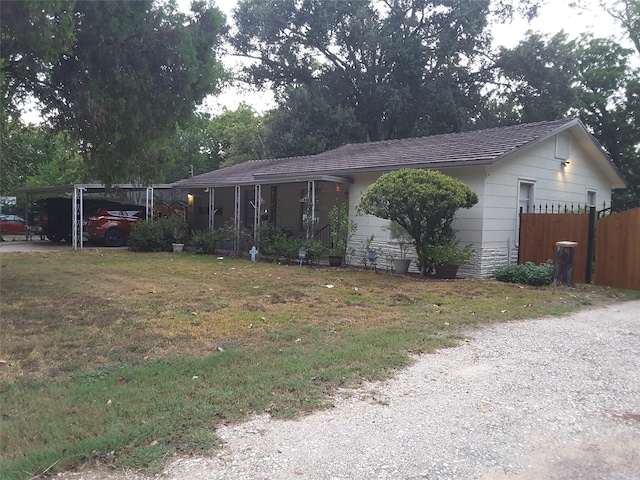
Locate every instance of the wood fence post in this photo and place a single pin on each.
(563, 264)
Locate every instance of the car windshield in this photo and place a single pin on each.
(125, 213)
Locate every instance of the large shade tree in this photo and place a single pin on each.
(305, 123)
(403, 67)
(544, 78)
(117, 75)
(423, 202)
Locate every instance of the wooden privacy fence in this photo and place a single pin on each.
(539, 233)
(611, 245)
(618, 250)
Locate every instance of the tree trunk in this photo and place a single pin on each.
(563, 264)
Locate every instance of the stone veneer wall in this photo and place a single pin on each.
(483, 262)
(488, 260)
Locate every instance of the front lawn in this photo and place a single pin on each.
(122, 358)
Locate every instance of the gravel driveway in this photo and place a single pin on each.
(553, 398)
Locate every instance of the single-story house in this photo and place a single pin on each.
(542, 163)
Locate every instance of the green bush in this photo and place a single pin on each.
(528, 274)
(285, 248)
(315, 250)
(151, 236)
(157, 235)
(204, 242)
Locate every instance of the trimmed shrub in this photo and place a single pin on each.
(527, 274)
(151, 236)
(157, 235)
(204, 242)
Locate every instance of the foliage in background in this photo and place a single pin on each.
(424, 203)
(401, 68)
(305, 123)
(34, 156)
(34, 35)
(544, 78)
(538, 76)
(119, 77)
(526, 274)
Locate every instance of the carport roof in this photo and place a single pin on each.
(88, 187)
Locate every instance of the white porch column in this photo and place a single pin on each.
(212, 210)
(237, 218)
(257, 197)
(311, 192)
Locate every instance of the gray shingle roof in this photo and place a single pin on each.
(454, 149)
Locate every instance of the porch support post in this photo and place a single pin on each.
(236, 218)
(212, 210)
(149, 204)
(78, 215)
(256, 211)
(311, 191)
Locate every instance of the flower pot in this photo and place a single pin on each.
(401, 265)
(446, 271)
(177, 247)
(335, 260)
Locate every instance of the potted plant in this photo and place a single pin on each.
(342, 229)
(405, 242)
(448, 257)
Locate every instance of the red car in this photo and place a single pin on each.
(12, 225)
(111, 225)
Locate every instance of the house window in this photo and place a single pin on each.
(592, 198)
(525, 202)
(525, 196)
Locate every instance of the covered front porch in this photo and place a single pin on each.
(298, 207)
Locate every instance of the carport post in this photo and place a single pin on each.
(77, 216)
(149, 204)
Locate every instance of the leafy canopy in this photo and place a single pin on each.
(403, 67)
(423, 202)
(544, 78)
(117, 75)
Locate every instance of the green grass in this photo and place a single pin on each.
(121, 358)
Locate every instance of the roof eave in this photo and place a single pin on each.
(343, 174)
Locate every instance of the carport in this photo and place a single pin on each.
(78, 191)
